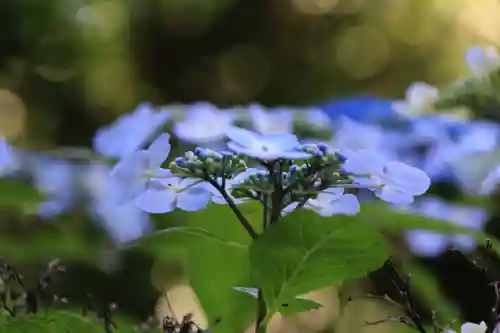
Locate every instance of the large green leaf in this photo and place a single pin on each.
(380, 215)
(214, 247)
(305, 252)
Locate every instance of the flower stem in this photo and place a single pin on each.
(261, 322)
(248, 227)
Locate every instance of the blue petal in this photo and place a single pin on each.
(243, 137)
(157, 199)
(426, 243)
(159, 150)
(128, 175)
(193, 199)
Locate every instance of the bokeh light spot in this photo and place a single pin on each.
(362, 51)
(102, 20)
(243, 71)
(12, 115)
(314, 7)
(413, 23)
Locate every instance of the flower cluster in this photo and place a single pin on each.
(328, 175)
(311, 175)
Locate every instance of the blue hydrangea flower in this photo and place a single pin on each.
(6, 155)
(217, 197)
(392, 181)
(329, 202)
(165, 195)
(130, 132)
(134, 172)
(123, 222)
(317, 118)
(482, 60)
(420, 99)
(347, 136)
(365, 109)
(55, 178)
(265, 146)
(430, 243)
(204, 123)
(277, 120)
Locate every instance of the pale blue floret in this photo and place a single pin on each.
(430, 243)
(329, 202)
(267, 147)
(165, 195)
(6, 155)
(392, 181)
(130, 132)
(133, 173)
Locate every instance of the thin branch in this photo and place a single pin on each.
(248, 227)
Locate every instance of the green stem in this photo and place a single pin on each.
(261, 324)
(248, 227)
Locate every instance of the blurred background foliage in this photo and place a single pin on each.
(68, 62)
(68, 67)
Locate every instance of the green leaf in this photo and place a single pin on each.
(14, 194)
(51, 322)
(305, 252)
(298, 304)
(214, 247)
(381, 216)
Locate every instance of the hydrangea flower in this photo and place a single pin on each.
(123, 222)
(429, 243)
(482, 60)
(273, 121)
(165, 195)
(420, 98)
(130, 132)
(217, 197)
(204, 123)
(329, 202)
(265, 146)
(364, 109)
(133, 173)
(392, 181)
(347, 137)
(490, 184)
(55, 178)
(317, 118)
(6, 155)
(471, 328)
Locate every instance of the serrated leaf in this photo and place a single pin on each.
(215, 251)
(305, 252)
